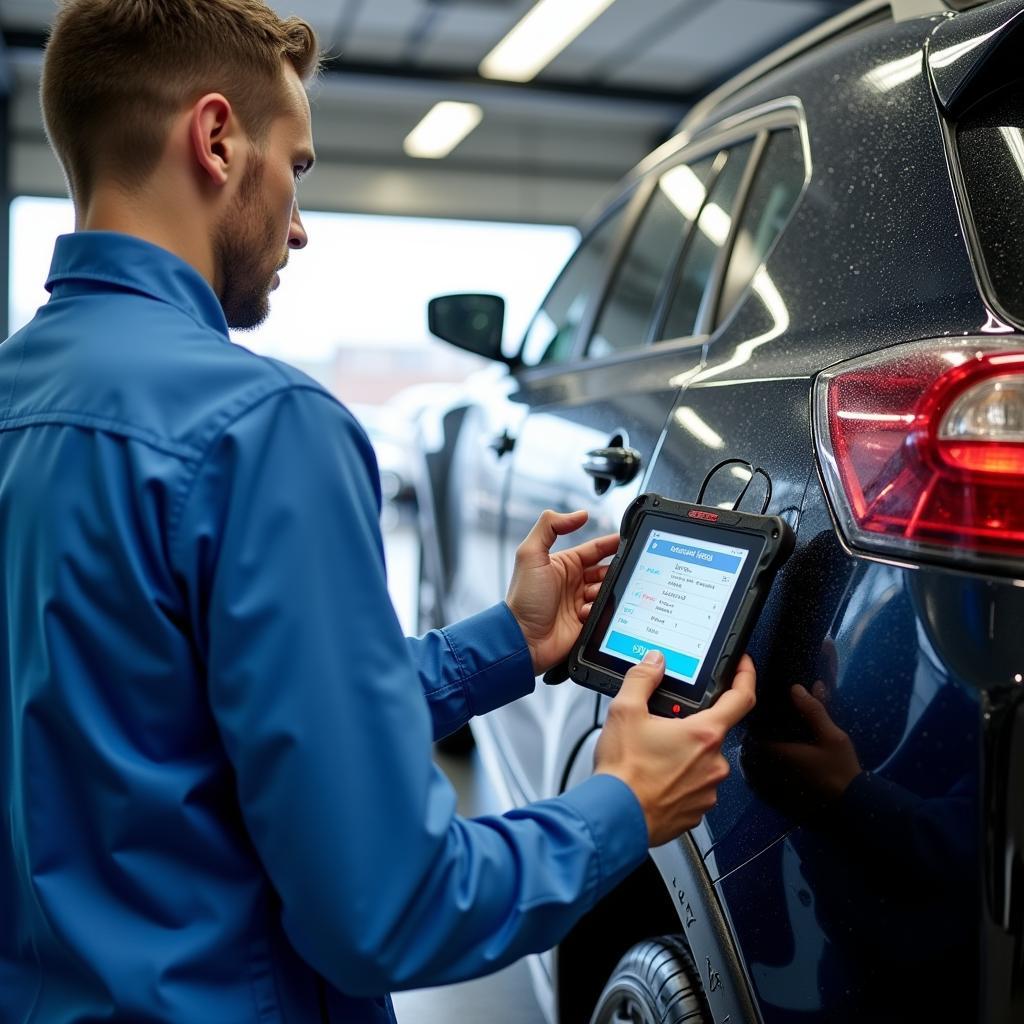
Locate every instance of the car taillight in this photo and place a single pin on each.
(922, 451)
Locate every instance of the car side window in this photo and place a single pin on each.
(693, 278)
(773, 194)
(650, 257)
(551, 336)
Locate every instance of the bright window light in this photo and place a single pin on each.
(547, 29)
(35, 225)
(444, 127)
(359, 289)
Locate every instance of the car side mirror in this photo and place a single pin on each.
(473, 322)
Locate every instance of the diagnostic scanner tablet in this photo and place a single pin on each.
(688, 581)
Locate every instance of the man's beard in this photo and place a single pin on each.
(241, 246)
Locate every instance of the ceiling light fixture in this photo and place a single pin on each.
(545, 31)
(444, 127)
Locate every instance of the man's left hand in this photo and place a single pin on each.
(551, 595)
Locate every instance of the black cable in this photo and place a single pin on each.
(754, 471)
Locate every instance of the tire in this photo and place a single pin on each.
(656, 982)
(459, 744)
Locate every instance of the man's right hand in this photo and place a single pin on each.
(674, 766)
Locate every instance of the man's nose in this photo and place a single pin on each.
(297, 238)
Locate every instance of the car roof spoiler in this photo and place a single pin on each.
(974, 53)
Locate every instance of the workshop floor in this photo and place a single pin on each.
(505, 997)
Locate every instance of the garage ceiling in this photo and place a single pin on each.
(545, 151)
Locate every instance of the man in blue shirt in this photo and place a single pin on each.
(214, 741)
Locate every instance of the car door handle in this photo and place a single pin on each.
(502, 444)
(617, 465)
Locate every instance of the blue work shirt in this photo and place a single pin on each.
(217, 802)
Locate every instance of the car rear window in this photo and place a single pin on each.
(990, 144)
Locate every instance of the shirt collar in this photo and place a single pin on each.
(106, 257)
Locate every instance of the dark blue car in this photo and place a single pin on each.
(821, 277)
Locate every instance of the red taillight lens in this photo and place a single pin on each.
(922, 450)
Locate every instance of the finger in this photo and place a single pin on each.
(585, 611)
(548, 528)
(592, 551)
(590, 592)
(567, 522)
(813, 713)
(819, 691)
(596, 573)
(739, 699)
(641, 681)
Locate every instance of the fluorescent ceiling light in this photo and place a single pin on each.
(684, 189)
(444, 127)
(715, 223)
(686, 192)
(546, 30)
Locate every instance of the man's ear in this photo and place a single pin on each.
(212, 128)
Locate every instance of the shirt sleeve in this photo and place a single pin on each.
(316, 696)
(472, 667)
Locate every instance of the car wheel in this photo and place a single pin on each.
(656, 982)
(459, 744)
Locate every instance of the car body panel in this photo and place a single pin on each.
(965, 54)
(867, 260)
(849, 911)
(695, 442)
(572, 415)
(476, 485)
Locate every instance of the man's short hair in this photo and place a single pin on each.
(116, 71)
